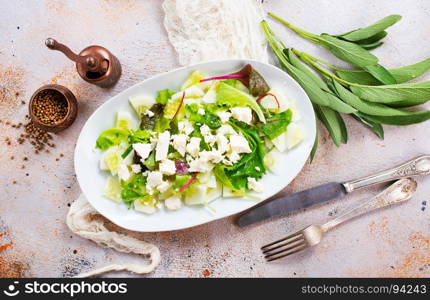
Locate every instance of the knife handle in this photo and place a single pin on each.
(417, 166)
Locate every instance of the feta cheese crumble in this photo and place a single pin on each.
(179, 143)
(162, 146)
(222, 143)
(143, 150)
(123, 172)
(213, 156)
(210, 139)
(193, 147)
(186, 127)
(224, 116)
(239, 144)
(173, 203)
(205, 130)
(243, 114)
(135, 168)
(233, 157)
(167, 167)
(226, 130)
(154, 178)
(164, 186)
(200, 165)
(254, 185)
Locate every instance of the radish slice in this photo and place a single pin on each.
(269, 94)
(189, 182)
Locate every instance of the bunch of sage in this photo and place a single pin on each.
(362, 93)
(351, 46)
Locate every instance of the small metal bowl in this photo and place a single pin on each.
(69, 118)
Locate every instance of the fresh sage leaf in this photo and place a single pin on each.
(333, 102)
(400, 95)
(334, 123)
(316, 95)
(375, 127)
(380, 73)
(370, 108)
(347, 51)
(358, 56)
(373, 39)
(295, 61)
(307, 82)
(338, 105)
(371, 30)
(372, 45)
(402, 74)
(407, 119)
(316, 142)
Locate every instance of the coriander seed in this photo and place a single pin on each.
(50, 107)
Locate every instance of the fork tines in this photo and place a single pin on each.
(284, 247)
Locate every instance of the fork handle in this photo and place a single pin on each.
(398, 192)
(417, 166)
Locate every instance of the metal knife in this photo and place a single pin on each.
(329, 191)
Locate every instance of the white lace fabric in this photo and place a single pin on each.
(81, 221)
(202, 30)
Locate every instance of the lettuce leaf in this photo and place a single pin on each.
(210, 119)
(150, 161)
(111, 137)
(139, 136)
(181, 180)
(133, 189)
(231, 97)
(235, 177)
(276, 124)
(163, 96)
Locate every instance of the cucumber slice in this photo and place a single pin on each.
(280, 141)
(112, 189)
(145, 205)
(141, 103)
(294, 135)
(271, 161)
(124, 120)
(213, 193)
(195, 194)
(111, 158)
(193, 79)
(198, 194)
(275, 101)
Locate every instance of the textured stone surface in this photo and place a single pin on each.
(33, 236)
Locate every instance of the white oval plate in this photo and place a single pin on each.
(92, 180)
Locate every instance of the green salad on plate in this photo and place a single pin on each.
(212, 137)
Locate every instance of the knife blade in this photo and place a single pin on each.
(293, 202)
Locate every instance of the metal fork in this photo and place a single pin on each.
(400, 191)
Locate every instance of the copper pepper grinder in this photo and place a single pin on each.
(95, 64)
